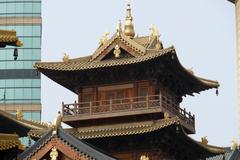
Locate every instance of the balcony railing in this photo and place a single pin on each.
(154, 103)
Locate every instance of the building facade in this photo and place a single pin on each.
(19, 83)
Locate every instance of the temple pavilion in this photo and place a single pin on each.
(129, 93)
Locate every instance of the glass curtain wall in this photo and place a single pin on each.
(20, 85)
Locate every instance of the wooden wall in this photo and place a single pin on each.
(125, 90)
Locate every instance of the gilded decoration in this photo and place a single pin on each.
(57, 122)
(19, 114)
(166, 115)
(54, 154)
(119, 27)
(204, 140)
(129, 27)
(104, 38)
(65, 58)
(234, 145)
(154, 33)
(117, 51)
(144, 157)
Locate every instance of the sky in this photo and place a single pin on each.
(202, 31)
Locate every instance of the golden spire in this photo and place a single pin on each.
(129, 28)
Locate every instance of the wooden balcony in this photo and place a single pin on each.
(153, 104)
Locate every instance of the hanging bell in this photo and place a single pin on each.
(15, 54)
(217, 92)
(177, 129)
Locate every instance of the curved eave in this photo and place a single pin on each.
(209, 148)
(131, 129)
(203, 82)
(85, 64)
(21, 127)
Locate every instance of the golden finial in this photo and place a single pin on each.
(117, 51)
(144, 157)
(129, 27)
(19, 114)
(204, 140)
(65, 58)
(54, 153)
(104, 38)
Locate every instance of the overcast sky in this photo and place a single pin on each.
(202, 31)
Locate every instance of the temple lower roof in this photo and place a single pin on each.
(127, 129)
(10, 141)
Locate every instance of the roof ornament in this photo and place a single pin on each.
(154, 33)
(166, 115)
(117, 51)
(65, 58)
(54, 153)
(19, 114)
(144, 157)
(234, 145)
(129, 27)
(57, 122)
(190, 70)
(119, 27)
(204, 140)
(104, 38)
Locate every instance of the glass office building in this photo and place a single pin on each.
(20, 85)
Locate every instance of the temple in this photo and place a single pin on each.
(128, 108)
(129, 94)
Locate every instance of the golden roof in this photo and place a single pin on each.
(114, 129)
(86, 63)
(9, 141)
(126, 129)
(9, 38)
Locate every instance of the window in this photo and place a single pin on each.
(3, 8)
(143, 91)
(87, 98)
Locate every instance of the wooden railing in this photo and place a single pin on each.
(128, 104)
